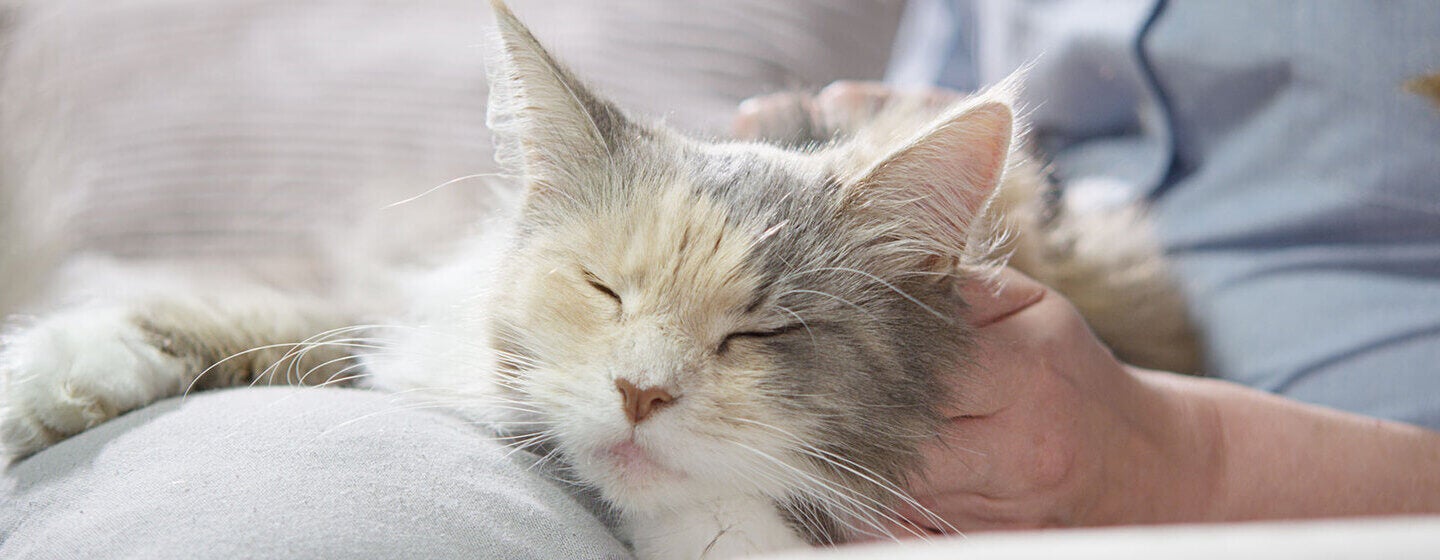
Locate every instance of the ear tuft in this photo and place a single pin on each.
(940, 180)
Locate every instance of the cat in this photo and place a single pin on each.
(741, 345)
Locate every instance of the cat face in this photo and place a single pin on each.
(688, 319)
(732, 283)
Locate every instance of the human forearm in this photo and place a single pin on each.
(1050, 430)
(1276, 458)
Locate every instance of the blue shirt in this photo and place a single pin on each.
(1295, 178)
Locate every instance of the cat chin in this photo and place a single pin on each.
(634, 481)
(632, 491)
(632, 462)
(635, 486)
(635, 478)
(630, 476)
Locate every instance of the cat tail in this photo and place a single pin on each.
(1108, 262)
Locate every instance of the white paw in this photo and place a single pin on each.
(71, 371)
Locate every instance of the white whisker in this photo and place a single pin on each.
(441, 186)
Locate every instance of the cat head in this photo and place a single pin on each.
(688, 318)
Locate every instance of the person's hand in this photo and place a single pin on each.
(1048, 429)
(839, 107)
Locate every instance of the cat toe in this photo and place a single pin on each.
(66, 375)
(22, 433)
(38, 409)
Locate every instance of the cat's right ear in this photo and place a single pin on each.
(938, 182)
(547, 125)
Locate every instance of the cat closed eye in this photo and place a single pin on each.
(725, 343)
(602, 288)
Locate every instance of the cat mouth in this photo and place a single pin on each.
(632, 460)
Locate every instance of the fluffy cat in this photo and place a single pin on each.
(740, 344)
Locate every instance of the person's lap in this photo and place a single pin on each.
(302, 473)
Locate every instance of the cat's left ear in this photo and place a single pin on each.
(940, 180)
(547, 124)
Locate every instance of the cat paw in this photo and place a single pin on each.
(72, 371)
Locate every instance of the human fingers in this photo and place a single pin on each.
(995, 371)
(1006, 407)
(844, 105)
(994, 299)
(774, 115)
(854, 95)
(1022, 449)
(1030, 345)
(1015, 467)
(838, 106)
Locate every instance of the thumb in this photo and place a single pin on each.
(993, 300)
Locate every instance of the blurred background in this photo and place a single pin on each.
(268, 130)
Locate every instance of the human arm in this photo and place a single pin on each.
(1286, 459)
(1050, 430)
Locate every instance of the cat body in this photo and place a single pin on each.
(740, 345)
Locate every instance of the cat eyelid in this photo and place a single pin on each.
(594, 282)
(771, 333)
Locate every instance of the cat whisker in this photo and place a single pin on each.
(831, 503)
(854, 305)
(343, 375)
(484, 348)
(360, 362)
(553, 458)
(802, 322)
(191, 386)
(861, 471)
(392, 410)
(494, 404)
(885, 283)
(875, 507)
(457, 397)
(855, 469)
(441, 186)
(296, 356)
(837, 496)
(527, 443)
(838, 506)
(341, 380)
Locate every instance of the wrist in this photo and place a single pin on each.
(1181, 464)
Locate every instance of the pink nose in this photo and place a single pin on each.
(640, 403)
